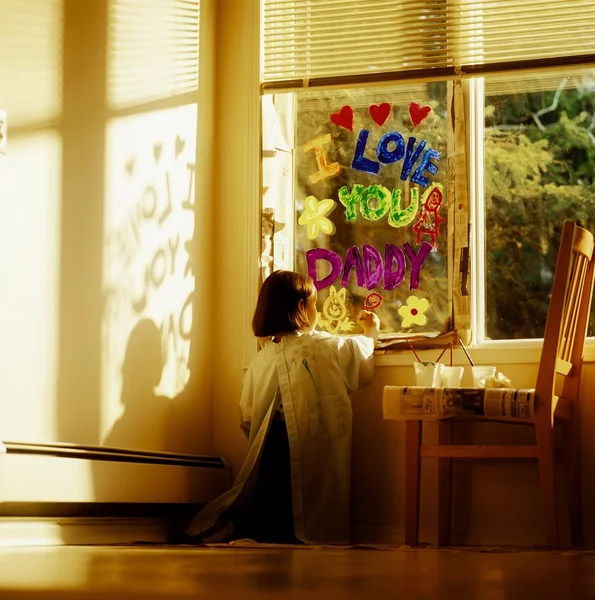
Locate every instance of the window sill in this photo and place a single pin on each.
(518, 352)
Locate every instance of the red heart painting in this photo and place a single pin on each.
(343, 118)
(380, 113)
(418, 113)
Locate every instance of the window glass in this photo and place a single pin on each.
(355, 194)
(539, 169)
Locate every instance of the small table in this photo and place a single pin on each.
(413, 403)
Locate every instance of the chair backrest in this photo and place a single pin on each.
(567, 319)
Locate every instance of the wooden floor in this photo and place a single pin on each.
(90, 573)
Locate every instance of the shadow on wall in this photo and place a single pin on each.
(149, 421)
(146, 417)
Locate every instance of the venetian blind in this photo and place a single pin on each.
(306, 40)
(31, 61)
(152, 50)
(581, 79)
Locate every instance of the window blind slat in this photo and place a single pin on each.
(152, 50)
(329, 31)
(31, 38)
(359, 43)
(305, 39)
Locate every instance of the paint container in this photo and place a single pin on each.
(428, 374)
(481, 374)
(451, 377)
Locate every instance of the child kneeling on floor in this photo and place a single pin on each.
(294, 485)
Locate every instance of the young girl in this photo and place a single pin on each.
(295, 482)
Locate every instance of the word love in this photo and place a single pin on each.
(390, 149)
(371, 268)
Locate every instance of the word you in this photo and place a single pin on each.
(371, 268)
(376, 202)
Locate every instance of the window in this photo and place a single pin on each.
(512, 149)
(539, 169)
(373, 239)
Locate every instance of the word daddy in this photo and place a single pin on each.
(371, 268)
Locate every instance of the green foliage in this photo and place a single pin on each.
(539, 157)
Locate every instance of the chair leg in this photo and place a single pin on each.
(573, 478)
(547, 464)
(445, 438)
(413, 430)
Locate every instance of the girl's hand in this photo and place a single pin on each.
(369, 321)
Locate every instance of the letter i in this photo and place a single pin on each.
(324, 170)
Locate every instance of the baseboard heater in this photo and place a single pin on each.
(116, 510)
(105, 453)
(99, 510)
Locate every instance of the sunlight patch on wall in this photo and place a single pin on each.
(31, 60)
(152, 50)
(149, 225)
(29, 274)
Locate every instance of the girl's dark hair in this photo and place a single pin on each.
(277, 309)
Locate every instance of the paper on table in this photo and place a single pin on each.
(410, 402)
(510, 404)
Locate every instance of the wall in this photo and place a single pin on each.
(107, 188)
(494, 502)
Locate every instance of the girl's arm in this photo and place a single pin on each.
(370, 323)
(356, 353)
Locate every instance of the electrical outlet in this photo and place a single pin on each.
(3, 131)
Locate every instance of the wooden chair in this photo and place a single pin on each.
(556, 400)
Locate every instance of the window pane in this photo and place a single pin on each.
(355, 194)
(539, 169)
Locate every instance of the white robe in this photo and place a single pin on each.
(314, 372)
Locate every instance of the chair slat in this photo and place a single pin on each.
(573, 307)
(478, 451)
(570, 317)
(582, 242)
(563, 367)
